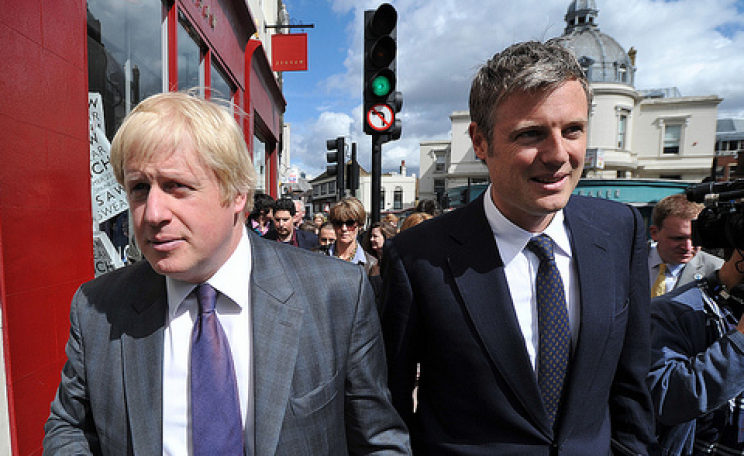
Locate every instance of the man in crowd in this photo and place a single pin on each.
(697, 375)
(672, 260)
(526, 310)
(286, 232)
(221, 342)
(299, 214)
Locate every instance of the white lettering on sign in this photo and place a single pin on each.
(104, 254)
(108, 198)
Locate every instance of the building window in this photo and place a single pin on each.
(439, 189)
(332, 187)
(441, 163)
(398, 199)
(316, 190)
(672, 138)
(382, 198)
(622, 130)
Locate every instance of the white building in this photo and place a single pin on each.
(648, 134)
(398, 191)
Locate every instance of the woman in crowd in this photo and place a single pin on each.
(260, 219)
(415, 219)
(347, 217)
(375, 238)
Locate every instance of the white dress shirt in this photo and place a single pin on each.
(232, 281)
(520, 267)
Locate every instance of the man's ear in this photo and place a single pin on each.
(480, 144)
(653, 230)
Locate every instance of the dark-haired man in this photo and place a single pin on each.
(286, 232)
(526, 310)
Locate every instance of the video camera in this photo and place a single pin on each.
(721, 223)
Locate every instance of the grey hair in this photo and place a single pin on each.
(523, 67)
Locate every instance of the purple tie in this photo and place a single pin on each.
(216, 426)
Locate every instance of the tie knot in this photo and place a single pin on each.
(206, 296)
(542, 246)
(662, 268)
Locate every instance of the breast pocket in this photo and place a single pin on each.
(318, 398)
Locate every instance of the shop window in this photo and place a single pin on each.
(221, 88)
(259, 163)
(190, 74)
(124, 67)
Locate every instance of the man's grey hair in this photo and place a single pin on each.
(522, 67)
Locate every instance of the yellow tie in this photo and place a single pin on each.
(659, 287)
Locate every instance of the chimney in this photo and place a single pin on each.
(403, 168)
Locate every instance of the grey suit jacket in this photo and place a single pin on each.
(320, 380)
(700, 266)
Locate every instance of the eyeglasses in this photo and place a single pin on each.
(350, 224)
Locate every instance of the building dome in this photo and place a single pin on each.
(603, 59)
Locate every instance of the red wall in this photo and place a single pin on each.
(46, 248)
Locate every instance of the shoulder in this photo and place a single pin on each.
(124, 281)
(682, 300)
(705, 258)
(303, 262)
(595, 208)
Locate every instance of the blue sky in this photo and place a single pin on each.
(693, 45)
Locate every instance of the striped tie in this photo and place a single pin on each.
(553, 326)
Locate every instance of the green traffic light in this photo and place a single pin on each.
(381, 86)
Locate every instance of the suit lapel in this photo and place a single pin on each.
(591, 253)
(277, 319)
(690, 270)
(142, 359)
(479, 275)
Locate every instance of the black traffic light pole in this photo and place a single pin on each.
(376, 177)
(381, 100)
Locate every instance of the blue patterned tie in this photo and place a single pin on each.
(216, 426)
(554, 331)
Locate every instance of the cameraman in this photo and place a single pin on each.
(697, 372)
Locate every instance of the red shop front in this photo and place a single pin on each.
(56, 57)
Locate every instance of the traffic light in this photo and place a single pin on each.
(381, 101)
(337, 158)
(352, 172)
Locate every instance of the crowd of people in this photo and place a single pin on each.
(529, 322)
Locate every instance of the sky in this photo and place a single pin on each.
(695, 46)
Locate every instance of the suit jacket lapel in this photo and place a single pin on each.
(277, 319)
(591, 252)
(142, 358)
(479, 274)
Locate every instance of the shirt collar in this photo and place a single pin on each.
(512, 239)
(230, 279)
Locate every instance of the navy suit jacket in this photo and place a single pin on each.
(447, 306)
(319, 365)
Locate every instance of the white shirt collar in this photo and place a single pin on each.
(513, 239)
(229, 279)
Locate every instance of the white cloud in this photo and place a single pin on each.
(695, 46)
